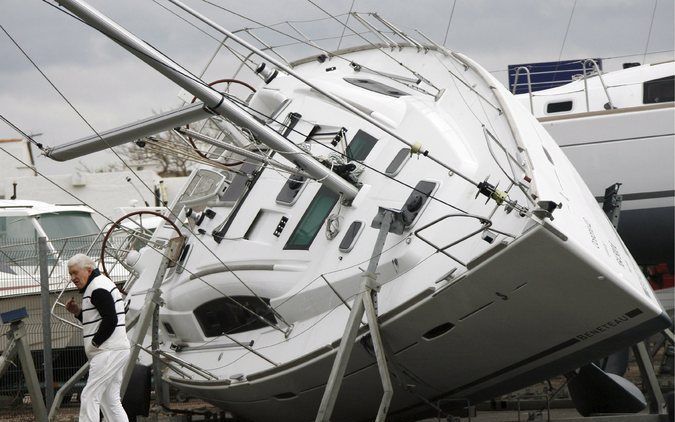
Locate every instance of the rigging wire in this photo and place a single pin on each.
(344, 28)
(24, 134)
(649, 34)
(562, 46)
(222, 43)
(452, 13)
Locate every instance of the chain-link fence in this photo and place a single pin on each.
(20, 287)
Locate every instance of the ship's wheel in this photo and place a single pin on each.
(128, 234)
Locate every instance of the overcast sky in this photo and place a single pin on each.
(110, 87)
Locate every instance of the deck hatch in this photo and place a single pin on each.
(398, 162)
(376, 86)
(351, 236)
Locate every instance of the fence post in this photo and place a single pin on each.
(46, 323)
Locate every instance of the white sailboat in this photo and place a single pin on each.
(398, 179)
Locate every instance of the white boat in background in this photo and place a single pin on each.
(618, 127)
(68, 229)
(397, 171)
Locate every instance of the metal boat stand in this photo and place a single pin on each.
(387, 220)
(153, 300)
(611, 205)
(16, 334)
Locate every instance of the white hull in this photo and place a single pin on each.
(507, 334)
(635, 147)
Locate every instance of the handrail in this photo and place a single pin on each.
(597, 70)
(197, 370)
(484, 222)
(529, 84)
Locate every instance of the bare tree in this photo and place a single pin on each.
(141, 154)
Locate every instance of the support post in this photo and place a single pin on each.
(46, 323)
(160, 387)
(364, 302)
(153, 299)
(17, 332)
(651, 384)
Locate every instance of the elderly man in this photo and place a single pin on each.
(105, 341)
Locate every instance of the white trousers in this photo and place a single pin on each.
(102, 391)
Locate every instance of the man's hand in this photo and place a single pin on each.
(73, 307)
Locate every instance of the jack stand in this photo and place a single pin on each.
(651, 384)
(16, 334)
(612, 208)
(387, 220)
(153, 300)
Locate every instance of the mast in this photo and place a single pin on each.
(211, 98)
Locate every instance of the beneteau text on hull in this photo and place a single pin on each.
(499, 269)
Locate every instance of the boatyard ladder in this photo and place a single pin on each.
(387, 221)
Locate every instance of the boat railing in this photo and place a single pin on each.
(529, 84)
(484, 225)
(288, 35)
(587, 64)
(602, 82)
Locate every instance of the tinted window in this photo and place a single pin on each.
(659, 90)
(360, 146)
(312, 221)
(559, 107)
(225, 316)
(67, 224)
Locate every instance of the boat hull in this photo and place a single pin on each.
(505, 333)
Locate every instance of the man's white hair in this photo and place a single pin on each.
(81, 260)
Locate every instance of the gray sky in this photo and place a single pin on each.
(110, 87)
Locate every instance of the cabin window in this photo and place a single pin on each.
(375, 86)
(659, 90)
(360, 146)
(351, 235)
(559, 107)
(312, 221)
(234, 314)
